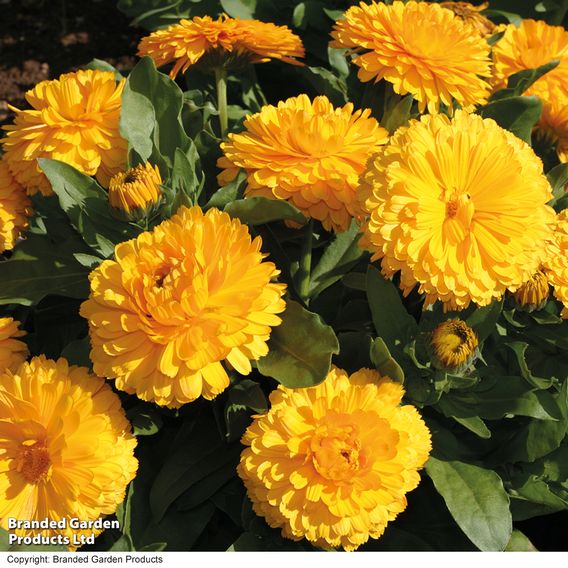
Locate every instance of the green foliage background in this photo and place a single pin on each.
(499, 433)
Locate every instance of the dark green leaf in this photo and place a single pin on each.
(392, 322)
(231, 192)
(145, 419)
(338, 258)
(86, 204)
(40, 267)
(558, 178)
(476, 425)
(100, 65)
(398, 115)
(260, 210)
(325, 83)
(248, 393)
(516, 114)
(519, 348)
(483, 320)
(519, 82)
(300, 349)
(78, 352)
(476, 499)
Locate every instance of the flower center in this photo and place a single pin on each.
(336, 453)
(459, 215)
(33, 461)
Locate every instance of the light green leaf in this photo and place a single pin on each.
(519, 543)
(477, 501)
(243, 9)
(300, 349)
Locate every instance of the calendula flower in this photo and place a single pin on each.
(73, 119)
(333, 463)
(178, 301)
(308, 153)
(15, 208)
(12, 350)
(458, 206)
(472, 15)
(533, 294)
(553, 123)
(532, 44)
(66, 448)
(556, 265)
(454, 346)
(420, 48)
(224, 42)
(133, 191)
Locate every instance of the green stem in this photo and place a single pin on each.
(221, 83)
(305, 267)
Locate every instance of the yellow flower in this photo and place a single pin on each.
(553, 122)
(454, 346)
(556, 265)
(533, 293)
(471, 14)
(133, 191)
(178, 301)
(12, 350)
(66, 449)
(459, 207)
(333, 462)
(73, 119)
(420, 48)
(226, 41)
(15, 208)
(532, 44)
(307, 153)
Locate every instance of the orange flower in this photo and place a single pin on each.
(420, 48)
(73, 119)
(15, 208)
(333, 463)
(308, 153)
(177, 302)
(226, 41)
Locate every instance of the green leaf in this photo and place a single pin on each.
(476, 425)
(299, 349)
(558, 179)
(231, 192)
(519, 348)
(77, 352)
(86, 204)
(40, 267)
(145, 419)
(100, 65)
(186, 177)
(184, 468)
(519, 543)
(483, 320)
(392, 322)
(516, 114)
(150, 115)
(398, 115)
(338, 258)
(384, 362)
(248, 393)
(477, 501)
(243, 9)
(325, 83)
(519, 82)
(260, 210)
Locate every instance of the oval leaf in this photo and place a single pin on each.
(260, 210)
(300, 349)
(476, 499)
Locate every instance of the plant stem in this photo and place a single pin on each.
(221, 83)
(305, 267)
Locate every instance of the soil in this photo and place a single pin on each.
(40, 39)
